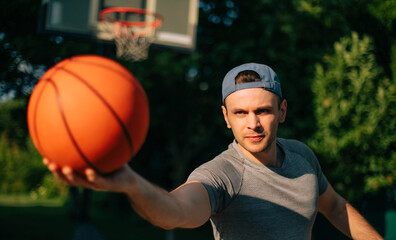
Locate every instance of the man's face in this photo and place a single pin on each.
(253, 115)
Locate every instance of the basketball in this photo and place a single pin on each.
(88, 111)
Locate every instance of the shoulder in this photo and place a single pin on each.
(299, 150)
(295, 146)
(222, 178)
(227, 164)
(292, 144)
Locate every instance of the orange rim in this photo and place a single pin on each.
(154, 24)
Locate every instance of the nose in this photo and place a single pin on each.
(253, 121)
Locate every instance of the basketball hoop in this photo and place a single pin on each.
(132, 30)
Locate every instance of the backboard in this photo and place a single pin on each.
(79, 18)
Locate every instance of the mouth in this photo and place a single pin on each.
(255, 138)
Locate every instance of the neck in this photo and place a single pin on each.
(270, 157)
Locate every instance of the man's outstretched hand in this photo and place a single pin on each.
(120, 180)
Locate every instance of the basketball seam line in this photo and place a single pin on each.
(120, 122)
(69, 130)
(122, 73)
(39, 146)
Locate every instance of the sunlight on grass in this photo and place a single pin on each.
(29, 201)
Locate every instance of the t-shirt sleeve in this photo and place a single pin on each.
(308, 154)
(221, 186)
(322, 180)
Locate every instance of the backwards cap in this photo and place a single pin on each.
(268, 80)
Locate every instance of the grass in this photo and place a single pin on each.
(28, 201)
(22, 217)
(34, 222)
(111, 218)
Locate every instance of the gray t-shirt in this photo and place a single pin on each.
(252, 201)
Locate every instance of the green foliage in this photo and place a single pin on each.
(186, 126)
(22, 172)
(290, 36)
(384, 11)
(393, 59)
(13, 121)
(356, 119)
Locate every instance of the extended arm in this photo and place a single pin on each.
(345, 217)
(186, 207)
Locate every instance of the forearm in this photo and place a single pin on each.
(359, 228)
(187, 206)
(349, 221)
(155, 204)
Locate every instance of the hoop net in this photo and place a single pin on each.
(132, 30)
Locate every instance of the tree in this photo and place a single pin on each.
(356, 119)
(184, 89)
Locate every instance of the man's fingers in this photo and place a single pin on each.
(56, 171)
(76, 179)
(68, 173)
(70, 177)
(45, 161)
(90, 175)
(88, 179)
(96, 181)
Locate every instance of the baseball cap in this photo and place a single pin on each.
(269, 79)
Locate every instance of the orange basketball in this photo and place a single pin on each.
(88, 111)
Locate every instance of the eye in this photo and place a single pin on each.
(239, 112)
(262, 111)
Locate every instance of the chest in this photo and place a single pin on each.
(290, 195)
(272, 195)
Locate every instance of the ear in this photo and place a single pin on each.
(283, 111)
(225, 115)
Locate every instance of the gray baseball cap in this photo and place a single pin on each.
(269, 79)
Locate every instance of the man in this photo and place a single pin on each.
(261, 187)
